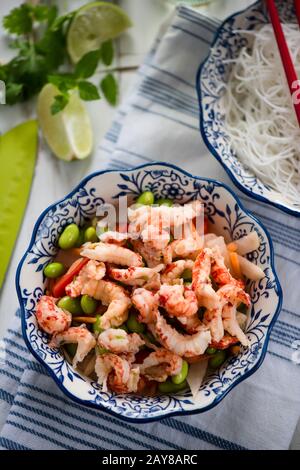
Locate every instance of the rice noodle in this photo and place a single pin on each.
(260, 118)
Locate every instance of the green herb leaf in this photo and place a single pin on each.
(13, 92)
(61, 20)
(109, 87)
(63, 82)
(88, 91)
(19, 20)
(107, 52)
(87, 65)
(44, 13)
(59, 103)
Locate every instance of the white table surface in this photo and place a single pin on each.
(53, 179)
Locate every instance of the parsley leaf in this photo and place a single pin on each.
(19, 20)
(88, 91)
(87, 65)
(107, 52)
(59, 103)
(109, 87)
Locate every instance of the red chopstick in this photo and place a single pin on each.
(286, 59)
(297, 9)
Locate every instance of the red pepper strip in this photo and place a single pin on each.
(60, 285)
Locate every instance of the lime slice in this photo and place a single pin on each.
(68, 133)
(93, 24)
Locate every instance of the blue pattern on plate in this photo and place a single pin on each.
(213, 72)
(230, 218)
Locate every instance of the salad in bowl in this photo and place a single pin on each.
(157, 310)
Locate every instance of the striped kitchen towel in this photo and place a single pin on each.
(159, 121)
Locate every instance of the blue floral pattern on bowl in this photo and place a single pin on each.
(228, 217)
(212, 75)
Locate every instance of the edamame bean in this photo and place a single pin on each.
(164, 202)
(80, 239)
(54, 270)
(97, 325)
(123, 327)
(179, 378)
(133, 325)
(210, 351)
(69, 237)
(90, 235)
(101, 350)
(88, 304)
(187, 275)
(146, 198)
(169, 387)
(72, 305)
(217, 359)
(71, 348)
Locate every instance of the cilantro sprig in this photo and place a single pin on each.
(38, 35)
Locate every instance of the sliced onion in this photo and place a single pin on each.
(195, 378)
(245, 244)
(250, 270)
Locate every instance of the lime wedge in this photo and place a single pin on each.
(69, 132)
(93, 24)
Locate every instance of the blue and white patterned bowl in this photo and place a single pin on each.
(212, 75)
(227, 216)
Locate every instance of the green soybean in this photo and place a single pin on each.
(123, 327)
(217, 359)
(164, 202)
(72, 305)
(169, 387)
(90, 235)
(88, 304)
(187, 275)
(133, 325)
(80, 239)
(97, 325)
(54, 270)
(69, 237)
(146, 198)
(211, 351)
(71, 348)
(179, 378)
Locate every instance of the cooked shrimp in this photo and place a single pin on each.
(153, 258)
(220, 272)
(115, 297)
(182, 248)
(118, 238)
(121, 376)
(146, 303)
(183, 345)
(225, 342)
(50, 317)
(231, 325)
(90, 274)
(110, 253)
(160, 364)
(118, 341)
(201, 282)
(76, 334)
(174, 270)
(191, 324)
(229, 294)
(147, 277)
(178, 300)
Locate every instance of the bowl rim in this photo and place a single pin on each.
(100, 407)
(212, 150)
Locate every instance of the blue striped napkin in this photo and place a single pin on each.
(159, 121)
